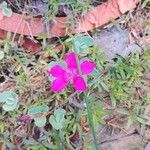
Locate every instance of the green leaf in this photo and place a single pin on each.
(141, 120)
(49, 145)
(57, 119)
(104, 86)
(129, 122)
(2, 55)
(3, 5)
(89, 41)
(37, 147)
(76, 46)
(82, 43)
(38, 109)
(61, 63)
(123, 111)
(95, 73)
(40, 121)
(11, 100)
(113, 101)
(59, 114)
(30, 141)
(9, 107)
(3, 96)
(84, 47)
(7, 12)
(55, 125)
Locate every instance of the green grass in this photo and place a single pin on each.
(122, 80)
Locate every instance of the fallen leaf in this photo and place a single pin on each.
(31, 46)
(2, 34)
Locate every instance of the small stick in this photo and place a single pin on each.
(13, 38)
(29, 30)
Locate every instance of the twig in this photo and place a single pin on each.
(29, 30)
(13, 38)
(117, 126)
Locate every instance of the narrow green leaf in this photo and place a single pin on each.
(113, 101)
(2, 55)
(141, 120)
(123, 111)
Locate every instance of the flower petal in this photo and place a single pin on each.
(87, 67)
(58, 85)
(79, 84)
(71, 61)
(57, 71)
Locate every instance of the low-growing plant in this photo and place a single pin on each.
(38, 113)
(9, 100)
(5, 10)
(82, 92)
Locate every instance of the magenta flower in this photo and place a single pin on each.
(70, 74)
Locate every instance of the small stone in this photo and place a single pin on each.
(115, 41)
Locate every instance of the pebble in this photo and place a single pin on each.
(115, 41)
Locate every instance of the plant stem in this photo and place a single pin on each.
(57, 139)
(90, 120)
(78, 64)
(89, 112)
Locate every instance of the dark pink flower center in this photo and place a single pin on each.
(70, 74)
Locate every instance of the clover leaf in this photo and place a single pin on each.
(40, 121)
(10, 100)
(5, 10)
(57, 119)
(3, 5)
(82, 43)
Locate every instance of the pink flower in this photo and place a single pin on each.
(70, 74)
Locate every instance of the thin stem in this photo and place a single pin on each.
(90, 120)
(57, 139)
(78, 65)
(88, 108)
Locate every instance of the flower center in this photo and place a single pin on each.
(70, 74)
